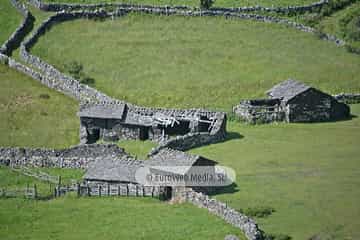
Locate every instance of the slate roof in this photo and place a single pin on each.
(112, 169)
(287, 90)
(106, 111)
(171, 157)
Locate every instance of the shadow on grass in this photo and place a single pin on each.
(233, 188)
(232, 136)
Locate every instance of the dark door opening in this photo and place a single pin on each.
(144, 133)
(93, 135)
(167, 194)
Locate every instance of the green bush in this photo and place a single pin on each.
(277, 237)
(87, 81)
(352, 30)
(206, 4)
(74, 68)
(259, 212)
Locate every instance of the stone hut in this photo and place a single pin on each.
(168, 162)
(292, 101)
(112, 121)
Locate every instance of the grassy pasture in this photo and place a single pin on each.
(309, 173)
(108, 218)
(10, 19)
(196, 62)
(32, 115)
(218, 3)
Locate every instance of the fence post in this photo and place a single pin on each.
(78, 189)
(35, 192)
(99, 188)
(127, 189)
(118, 190)
(88, 190)
(108, 189)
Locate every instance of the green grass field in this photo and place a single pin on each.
(218, 3)
(108, 218)
(196, 62)
(10, 19)
(32, 115)
(309, 173)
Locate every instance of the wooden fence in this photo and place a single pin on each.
(28, 192)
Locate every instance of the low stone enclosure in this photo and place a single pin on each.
(292, 101)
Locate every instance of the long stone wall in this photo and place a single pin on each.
(74, 157)
(348, 98)
(230, 215)
(122, 9)
(21, 31)
(56, 7)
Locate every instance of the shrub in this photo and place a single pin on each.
(74, 68)
(259, 212)
(352, 30)
(44, 96)
(206, 4)
(87, 80)
(277, 237)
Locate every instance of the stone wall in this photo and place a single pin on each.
(122, 9)
(74, 157)
(56, 7)
(21, 31)
(348, 98)
(230, 215)
(259, 113)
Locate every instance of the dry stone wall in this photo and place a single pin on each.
(74, 157)
(55, 7)
(348, 98)
(230, 215)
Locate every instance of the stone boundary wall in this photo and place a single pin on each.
(74, 157)
(122, 9)
(55, 7)
(348, 98)
(21, 31)
(230, 215)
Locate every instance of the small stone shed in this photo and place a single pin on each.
(123, 169)
(112, 121)
(292, 101)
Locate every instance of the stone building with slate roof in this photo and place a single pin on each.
(112, 121)
(292, 101)
(125, 169)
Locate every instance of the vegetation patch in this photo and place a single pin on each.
(22, 118)
(259, 212)
(10, 19)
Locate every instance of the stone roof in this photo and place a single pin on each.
(171, 157)
(110, 110)
(287, 90)
(114, 169)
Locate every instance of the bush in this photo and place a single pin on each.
(277, 237)
(259, 212)
(352, 30)
(87, 80)
(206, 4)
(44, 96)
(74, 68)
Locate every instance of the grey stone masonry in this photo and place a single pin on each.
(74, 157)
(348, 98)
(230, 215)
(56, 7)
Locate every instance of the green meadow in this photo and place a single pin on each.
(32, 115)
(196, 62)
(9, 20)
